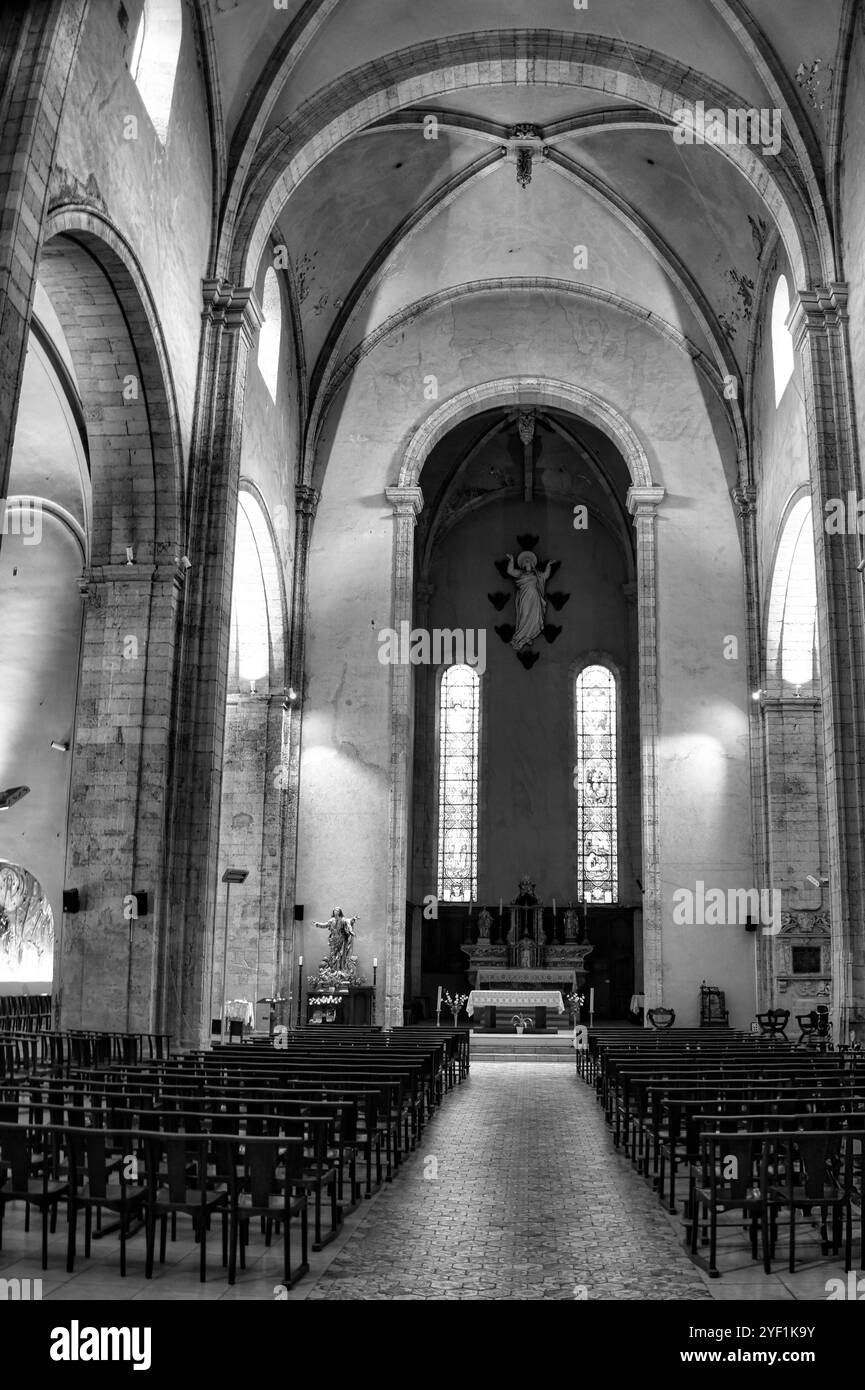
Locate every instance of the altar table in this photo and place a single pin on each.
(515, 999)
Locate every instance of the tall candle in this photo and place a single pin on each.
(375, 962)
(500, 907)
(439, 1001)
(592, 1000)
(554, 909)
(300, 960)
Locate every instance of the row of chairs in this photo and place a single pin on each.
(24, 1051)
(345, 1102)
(763, 1132)
(152, 1177)
(29, 1013)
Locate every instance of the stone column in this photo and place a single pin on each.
(291, 938)
(820, 326)
(745, 500)
(643, 503)
(407, 503)
(231, 318)
(38, 46)
(106, 966)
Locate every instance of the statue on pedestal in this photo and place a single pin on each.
(572, 923)
(339, 966)
(485, 922)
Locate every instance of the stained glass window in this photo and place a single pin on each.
(595, 782)
(459, 712)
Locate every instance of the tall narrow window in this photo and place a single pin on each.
(459, 716)
(595, 782)
(154, 59)
(782, 339)
(270, 332)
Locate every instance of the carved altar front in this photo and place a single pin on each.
(803, 962)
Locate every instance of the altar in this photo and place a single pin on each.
(488, 1001)
(531, 949)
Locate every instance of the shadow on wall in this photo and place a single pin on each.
(26, 927)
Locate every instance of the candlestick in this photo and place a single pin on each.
(300, 960)
(554, 909)
(374, 962)
(500, 907)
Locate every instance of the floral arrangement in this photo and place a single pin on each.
(454, 1002)
(523, 1021)
(575, 1000)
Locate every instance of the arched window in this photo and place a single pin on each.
(270, 333)
(459, 726)
(792, 648)
(250, 628)
(155, 55)
(782, 339)
(595, 780)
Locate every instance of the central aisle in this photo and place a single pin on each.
(514, 1193)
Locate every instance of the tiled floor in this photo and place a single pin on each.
(514, 1193)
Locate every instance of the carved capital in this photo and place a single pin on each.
(526, 426)
(238, 309)
(406, 501)
(815, 311)
(745, 498)
(643, 502)
(306, 500)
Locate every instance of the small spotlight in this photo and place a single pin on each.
(184, 562)
(757, 695)
(861, 566)
(59, 747)
(11, 795)
(130, 557)
(292, 693)
(814, 882)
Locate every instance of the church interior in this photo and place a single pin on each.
(431, 581)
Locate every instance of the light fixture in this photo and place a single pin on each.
(757, 695)
(861, 566)
(816, 882)
(184, 562)
(292, 693)
(235, 876)
(59, 747)
(130, 557)
(11, 795)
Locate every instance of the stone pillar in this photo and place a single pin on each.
(643, 503)
(106, 965)
(230, 318)
(796, 815)
(820, 326)
(38, 45)
(291, 937)
(407, 503)
(745, 500)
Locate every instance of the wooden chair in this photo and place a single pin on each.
(731, 1176)
(774, 1022)
(661, 1019)
(261, 1182)
(177, 1184)
(93, 1164)
(816, 1169)
(26, 1176)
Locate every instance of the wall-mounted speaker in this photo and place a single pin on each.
(298, 912)
(71, 900)
(141, 903)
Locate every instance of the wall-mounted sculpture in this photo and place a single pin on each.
(530, 598)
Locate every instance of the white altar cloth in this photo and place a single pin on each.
(515, 999)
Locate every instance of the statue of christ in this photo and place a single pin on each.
(531, 603)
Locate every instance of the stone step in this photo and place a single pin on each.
(554, 1058)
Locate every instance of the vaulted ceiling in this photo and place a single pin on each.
(404, 128)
